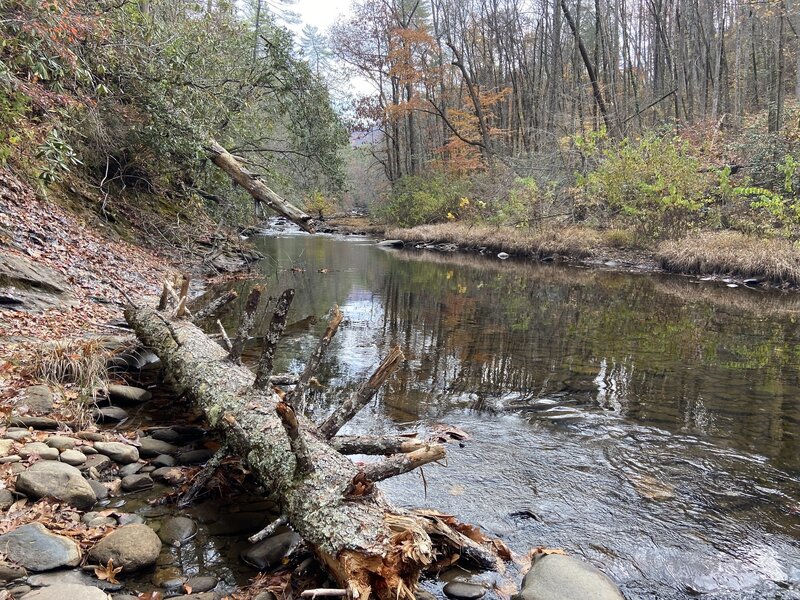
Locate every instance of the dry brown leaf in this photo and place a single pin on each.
(107, 573)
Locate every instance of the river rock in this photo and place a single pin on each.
(168, 578)
(72, 457)
(464, 590)
(38, 399)
(118, 452)
(35, 422)
(9, 572)
(130, 519)
(137, 482)
(92, 436)
(16, 433)
(166, 435)
(150, 447)
(100, 491)
(6, 499)
(35, 548)
(559, 577)
(96, 519)
(66, 591)
(503, 255)
(194, 457)
(110, 414)
(163, 460)
(11, 458)
(128, 394)
(130, 469)
(75, 577)
(131, 547)
(5, 447)
(99, 462)
(269, 553)
(176, 531)
(39, 449)
(60, 442)
(392, 243)
(201, 583)
(170, 475)
(56, 479)
(265, 596)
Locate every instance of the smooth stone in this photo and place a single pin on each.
(39, 449)
(559, 577)
(9, 572)
(66, 591)
(151, 447)
(148, 469)
(6, 499)
(130, 469)
(59, 480)
(137, 482)
(163, 460)
(201, 583)
(265, 596)
(110, 414)
(125, 597)
(170, 475)
(17, 468)
(176, 531)
(35, 548)
(5, 447)
(98, 488)
(130, 519)
(168, 577)
(35, 422)
(269, 553)
(60, 442)
(92, 436)
(464, 590)
(100, 462)
(72, 457)
(391, 243)
(118, 452)
(38, 399)
(127, 393)
(202, 596)
(166, 435)
(87, 450)
(74, 576)
(18, 435)
(131, 547)
(19, 590)
(96, 519)
(194, 457)
(11, 458)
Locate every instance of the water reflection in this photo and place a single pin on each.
(651, 423)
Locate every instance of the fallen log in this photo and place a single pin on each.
(257, 188)
(371, 548)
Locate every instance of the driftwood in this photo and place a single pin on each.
(370, 547)
(256, 188)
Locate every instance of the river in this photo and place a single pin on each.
(648, 423)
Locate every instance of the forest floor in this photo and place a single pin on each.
(726, 255)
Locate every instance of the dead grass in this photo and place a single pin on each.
(572, 242)
(733, 253)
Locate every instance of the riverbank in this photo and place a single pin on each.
(728, 255)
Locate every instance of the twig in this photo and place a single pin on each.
(298, 444)
(403, 463)
(226, 341)
(204, 476)
(268, 530)
(329, 592)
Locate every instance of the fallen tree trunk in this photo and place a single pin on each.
(257, 188)
(372, 548)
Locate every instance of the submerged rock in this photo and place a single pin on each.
(202, 583)
(559, 577)
(59, 480)
(464, 590)
(35, 548)
(131, 547)
(269, 553)
(176, 531)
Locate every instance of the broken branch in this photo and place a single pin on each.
(365, 444)
(398, 464)
(276, 325)
(246, 324)
(215, 306)
(297, 397)
(299, 448)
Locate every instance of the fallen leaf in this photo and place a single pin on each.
(107, 573)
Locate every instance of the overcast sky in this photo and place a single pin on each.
(321, 13)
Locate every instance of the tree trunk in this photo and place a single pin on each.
(369, 546)
(256, 188)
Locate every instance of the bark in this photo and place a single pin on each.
(354, 444)
(257, 188)
(369, 546)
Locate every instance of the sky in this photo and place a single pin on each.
(321, 13)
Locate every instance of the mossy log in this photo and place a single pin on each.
(372, 548)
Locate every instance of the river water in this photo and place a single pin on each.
(648, 423)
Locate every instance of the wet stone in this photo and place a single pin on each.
(150, 447)
(110, 414)
(72, 457)
(166, 435)
(130, 519)
(269, 553)
(56, 479)
(464, 590)
(168, 578)
(66, 591)
(137, 482)
(176, 531)
(194, 457)
(60, 442)
(35, 548)
(202, 583)
(38, 399)
(74, 576)
(163, 460)
(131, 547)
(118, 452)
(559, 577)
(130, 469)
(128, 394)
(39, 449)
